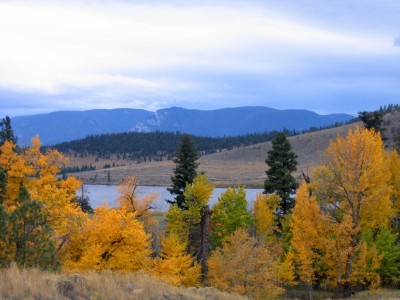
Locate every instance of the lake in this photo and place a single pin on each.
(98, 194)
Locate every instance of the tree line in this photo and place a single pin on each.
(158, 145)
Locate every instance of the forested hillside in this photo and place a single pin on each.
(153, 145)
(157, 146)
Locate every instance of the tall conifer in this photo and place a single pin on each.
(282, 162)
(185, 170)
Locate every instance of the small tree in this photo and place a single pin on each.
(176, 266)
(83, 200)
(31, 234)
(243, 265)
(6, 132)
(184, 172)
(282, 162)
(229, 214)
(371, 119)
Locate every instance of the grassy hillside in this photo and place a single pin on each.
(21, 284)
(18, 284)
(244, 165)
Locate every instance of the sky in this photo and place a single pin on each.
(325, 56)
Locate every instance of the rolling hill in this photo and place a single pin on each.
(243, 165)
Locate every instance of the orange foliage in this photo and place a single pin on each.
(309, 234)
(112, 239)
(264, 215)
(176, 266)
(17, 169)
(129, 199)
(246, 267)
(353, 191)
(38, 173)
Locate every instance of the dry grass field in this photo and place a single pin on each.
(241, 166)
(21, 284)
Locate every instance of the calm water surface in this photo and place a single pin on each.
(98, 194)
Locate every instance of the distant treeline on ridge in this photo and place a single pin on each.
(160, 145)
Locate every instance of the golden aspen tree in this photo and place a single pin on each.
(309, 235)
(353, 190)
(175, 266)
(55, 195)
(285, 269)
(37, 172)
(264, 216)
(112, 239)
(245, 266)
(17, 170)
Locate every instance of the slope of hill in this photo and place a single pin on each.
(65, 126)
(244, 165)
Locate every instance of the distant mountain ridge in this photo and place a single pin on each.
(63, 126)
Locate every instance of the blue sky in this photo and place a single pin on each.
(325, 56)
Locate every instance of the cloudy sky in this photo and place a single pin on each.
(325, 56)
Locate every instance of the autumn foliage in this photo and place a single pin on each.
(342, 232)
(350, 194)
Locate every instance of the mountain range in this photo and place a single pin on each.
(63, 126)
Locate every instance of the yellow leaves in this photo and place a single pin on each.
(17, 169)
(366, 266)
(37, 172)
(199, 192)
(47, 165)
(197, 196)
(353, 188)
(309, 233)
(129, 199)
(178, 223)
(264, 215)
(113, 239)
(354, 179)
(285, 270)
(175, 266)
(246, 267)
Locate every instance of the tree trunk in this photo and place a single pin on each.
(346, 292)
(310, 292)
(205, 240)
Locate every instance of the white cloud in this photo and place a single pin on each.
(48, 46)
(103, 54)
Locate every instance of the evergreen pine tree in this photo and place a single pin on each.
(31, 233)
(83, 200)
(6, 249)
(282, 162)
(185, 170)
(372, 120)
(6, 132)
